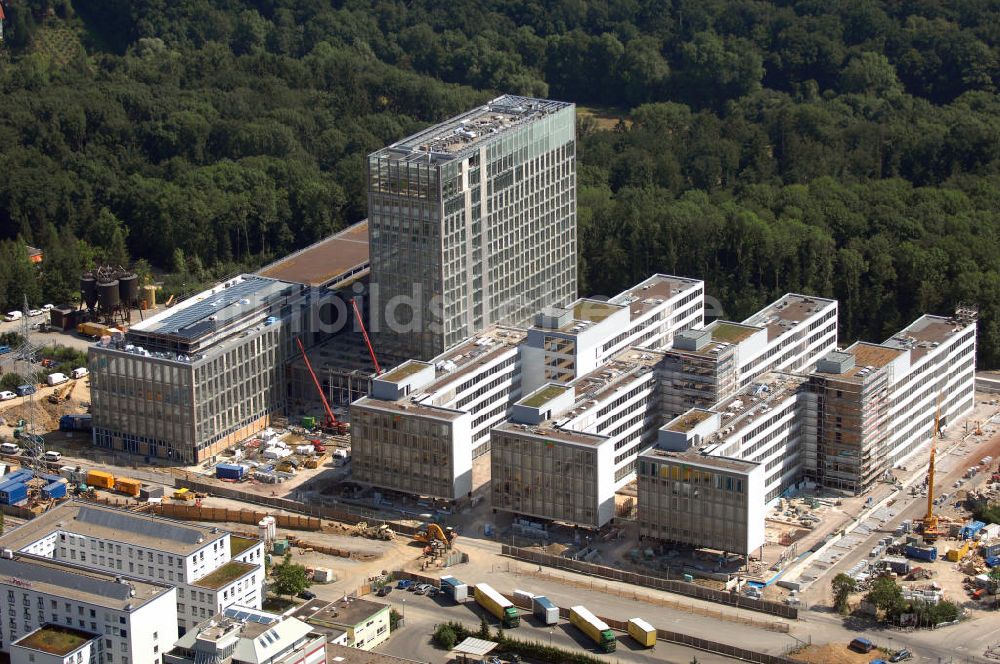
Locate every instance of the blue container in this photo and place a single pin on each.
(13, 494)
(229, 471)
(928, 553)
(55, 490)
(17, 476)
(990, 550)
(81, 422)
(993, 561)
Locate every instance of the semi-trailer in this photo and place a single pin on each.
(595, 628)
(642, 631)
(498, 605)
(543, 609)
(455, 589)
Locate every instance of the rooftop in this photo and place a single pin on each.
(696, 458)
(653, 291)
(925, 334)
(238, 545)
(543, 395)
(593, 310)
(606, 379)
(757, 400)
(689, 420)
(338, 654)
(781, 316)
(225, 575)
(327, 263)
(68, 581)
(461, 134)
(404, 371)
(345, 612)
(730, 333)
(547, 432)
(409, 407)
(107, 523)
(55, 639)
(466, 358)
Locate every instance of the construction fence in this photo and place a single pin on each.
(224, 514)
(668, 585)
(319, 511)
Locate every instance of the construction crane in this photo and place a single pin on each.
(371, 351)
(931, 532)
(331, 423)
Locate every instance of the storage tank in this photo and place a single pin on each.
(149, 294)
(107, 294)
(128, 287)
(88, 289)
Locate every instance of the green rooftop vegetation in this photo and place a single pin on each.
(225, 575)
(404, 371)
(238, 545)
(542, 396)
(730, 332)
(55, 639)
(689, 420)
(593, 310)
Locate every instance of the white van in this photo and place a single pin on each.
(56, 379)
(9, 448)
(13, 315)
(7, 395)
(52, 457)
(79, 372)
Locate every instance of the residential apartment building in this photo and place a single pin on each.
(425, 422)
(873, 405)
(197, 561)
(95, 616)
(472, 223)
(192, 380)
(566, 343)
(365, 622)
(568, 448)
(706, 366)
(243, 635)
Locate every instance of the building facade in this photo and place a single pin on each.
(472, 222)
(243, 635)
(366, 623)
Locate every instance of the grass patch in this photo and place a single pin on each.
(403, 371)
(605, 118)
(542, 396)
(277, 604)
(55, 639)
(730, 333)
(225, 575)
(689, 420)
(60, 44)
(238, 545)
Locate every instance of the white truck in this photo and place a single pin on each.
(56, 378)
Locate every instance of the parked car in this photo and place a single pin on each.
(7, 395)
(35, 312)
(862, 645)
(404, 584)
(901, 655)
(9, 448)
(13, 315)
(384, 590)
(47, 307)
(53, 457)
(511, 657)
(307, 594)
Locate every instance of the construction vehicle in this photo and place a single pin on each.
(499, 606)
(331, 424)
(931, 532)
(364, 332)
(454, 588)
(379, 532)
(430, 532)
(64, 393)
(642, 631)
(593, 627)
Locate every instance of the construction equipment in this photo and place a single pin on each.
(432, 532)
(364, 332)
(379, 532)
(63, 393)
(930, 531)
(331, 423)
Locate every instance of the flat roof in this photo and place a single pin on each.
(238, 545)
(689, 420)
(757, 399)
(463, 133)
(346, 612)
(653, 291)
(409, 407)
(108, 523)
(223, 576)
(622, 368)
(729, 332)
(543, 395)
(463, 359)
(782, 315)
(870, 355)
(475, 647)
(404, 371)
(546, 432)
(700, 459)
(55, 639)
(593, 310)
(339, 257)
(925, 334)
(338, 654)
(60, 579)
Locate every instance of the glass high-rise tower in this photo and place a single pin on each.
(472, 222)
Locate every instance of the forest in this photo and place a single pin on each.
(846, 148)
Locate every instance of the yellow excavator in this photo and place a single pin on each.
(429, 532)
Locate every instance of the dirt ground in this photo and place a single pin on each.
(833, 653)
(46, 415)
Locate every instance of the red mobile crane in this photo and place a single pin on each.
(331, 422)
(371, 351)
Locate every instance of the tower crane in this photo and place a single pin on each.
(931, 531)
(331, 422)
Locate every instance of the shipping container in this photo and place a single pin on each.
(309, 422)
(954, 555)
(100, 479)
(642, 631)
(11, 494)
(55, 490)
(544, 609)
(993, 561)
(454, 588)
(150, 492)
(523, 596)
(78, 422)
(593, 627)
(990, 549)
(898, 565)
(928, 553)
(128, 486)
(971, 529)
(230, 471)
(498, 605)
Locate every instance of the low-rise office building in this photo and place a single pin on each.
(425, 422)
(107, 617)
(568, 448)
(197, 560)
(365, 622)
